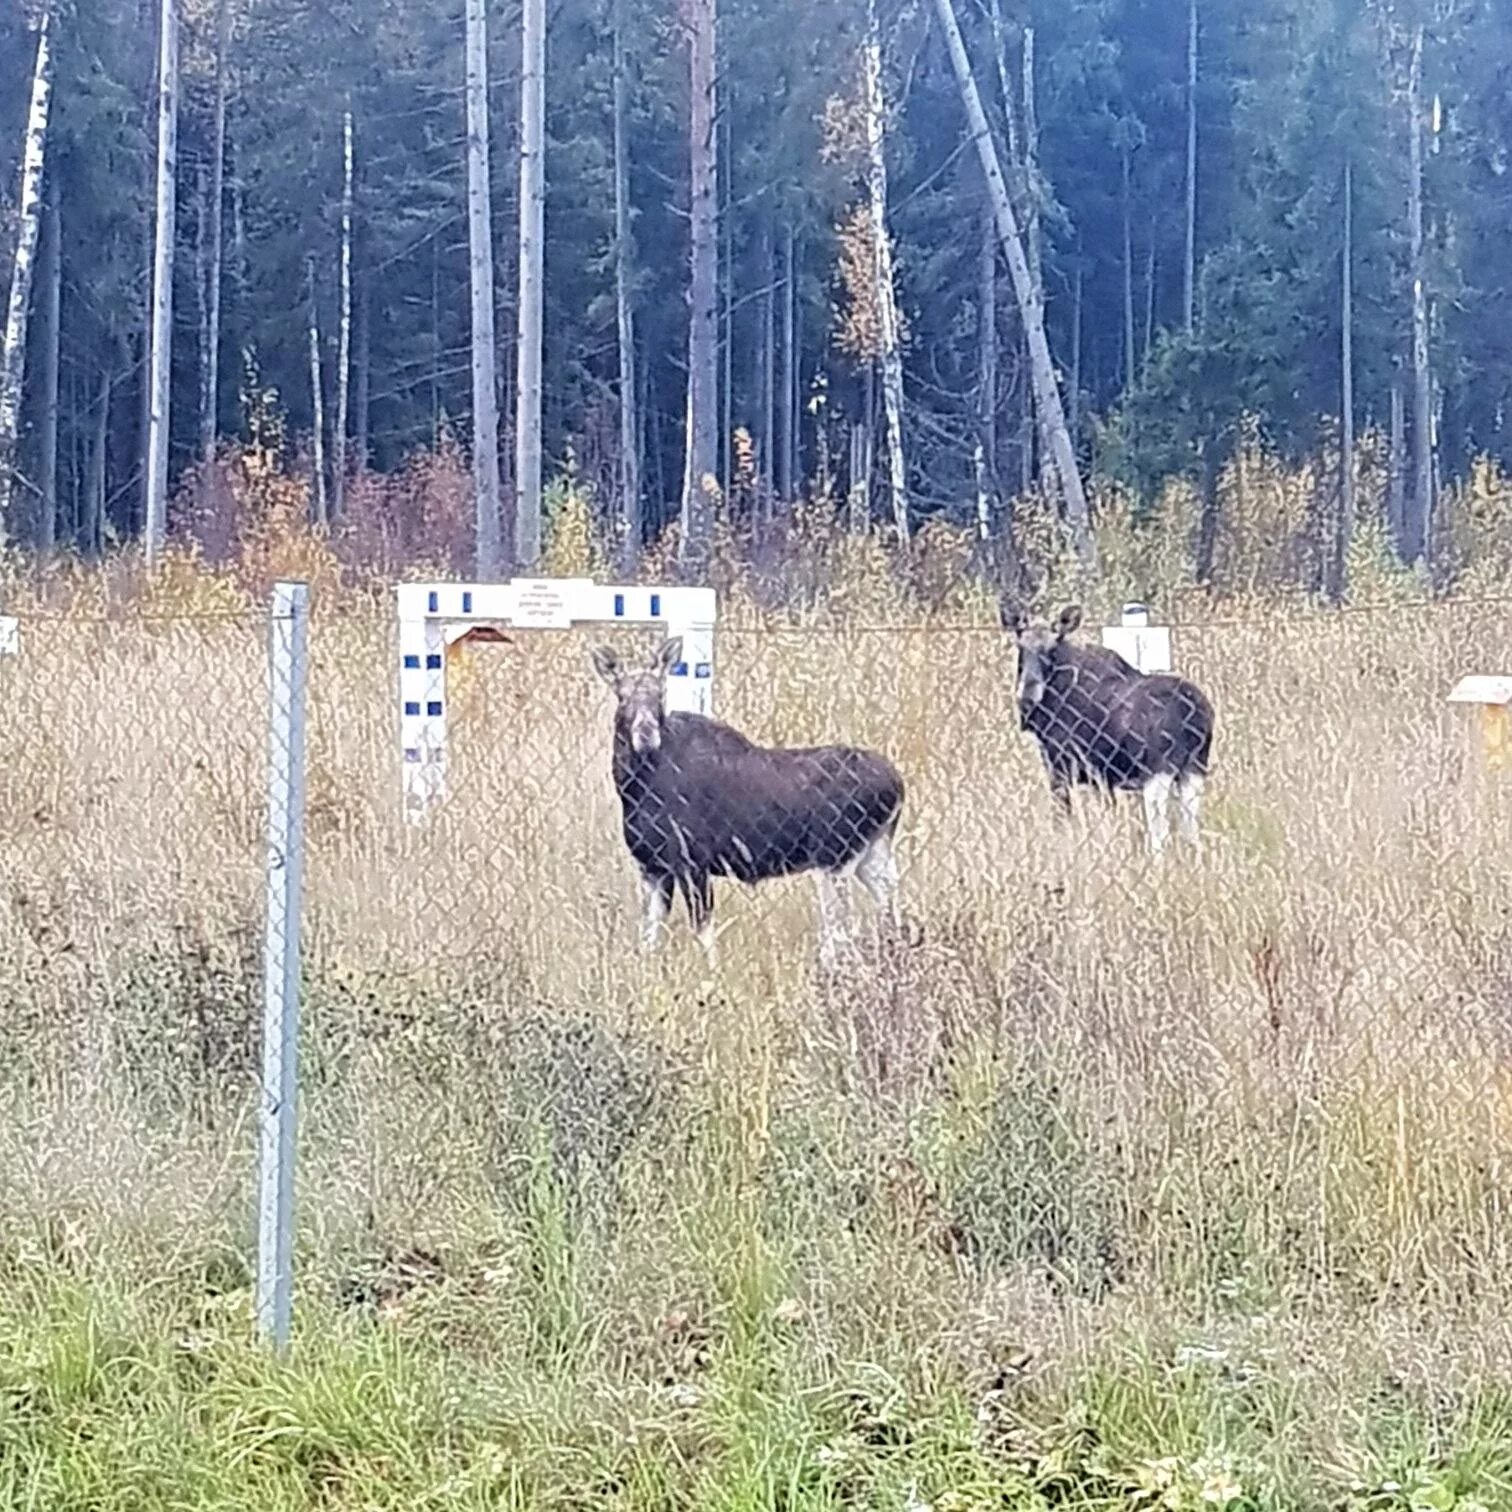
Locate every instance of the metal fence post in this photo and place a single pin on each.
(288, 661)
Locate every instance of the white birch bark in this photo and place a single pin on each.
(23, 268)
(160, 386)
(317, 406)
(532, 284)
(629, 523)
(344, 329)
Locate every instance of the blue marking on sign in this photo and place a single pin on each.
(412, 708)
(656, 606)
(433, 602)
(411, 753)
(703, 669)
(412, 662)
(680, 670)
(433, 709)
(619, 605)
(467, 603)
(433, 660)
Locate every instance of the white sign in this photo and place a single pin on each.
(1496, 691)
(545, 603)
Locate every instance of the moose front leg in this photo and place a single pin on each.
(656, 904)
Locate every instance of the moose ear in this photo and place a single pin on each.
(1070, 618)
(606, 664)
(1012, 619)
(669, 655)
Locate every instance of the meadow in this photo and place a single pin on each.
(1098, 1184)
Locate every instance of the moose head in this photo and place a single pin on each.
(1036, 648)
(640, 692)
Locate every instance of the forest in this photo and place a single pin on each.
(759, 260)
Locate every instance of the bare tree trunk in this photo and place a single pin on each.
(629, 525)
(155, 525)
(317, 406)
(211, 313)
(51, 313)
(485, 385)
(1052, 418)
(1031, 168)
(985, 451)
(1340, 584)
(1076, 357)
(13, 360)
(1189, 271)
(527, 478)
(767, 450)
(92, 515)
(1420, 506)
(1128, 274)
(362, 378)
(789, 449)
(1396, 467)
(344, 326)
(890, 353)
(702, 458)
(727, 321)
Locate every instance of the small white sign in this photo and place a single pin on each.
(1147, 649)
(1496, 691)
(545, 603)
(10, 635)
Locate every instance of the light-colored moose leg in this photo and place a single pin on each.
(1157, 796)
(878, 872)
(1189, 806)
(832, 935)
(656, 904)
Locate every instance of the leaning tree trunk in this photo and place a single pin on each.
(155, 525)
(211, 323)
(1189, 270)
(13, 359)
(629, 523)
(48, 507)
(889, 353)
(1340, 576)
(344, 328)
(485, 389)
(527, 479)
(1056, 439)
(1419, 521)
(702, 456)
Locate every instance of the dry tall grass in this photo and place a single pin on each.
(1256, 1103)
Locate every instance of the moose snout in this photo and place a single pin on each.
(645, 732)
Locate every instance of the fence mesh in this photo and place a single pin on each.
(1340, 940)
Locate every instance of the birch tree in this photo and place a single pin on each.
(1055, 438)
(889, 353)
(23, 265)
(317, 406)
(344, 324)
(629, 522)
(485, 391)
(1189, 269)
(532, 283)
(214, 258)
(161, 347)
(1420, 503)
(700, 471)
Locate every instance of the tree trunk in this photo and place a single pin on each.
(890, 354)
(1031, 168)
(362, 378)
(1420, 504)
(1340, 583)
(92, 514)
(629, 527)
(1076, 357)
(48, 509)
(727, 321)
(1128, 273)
(317, 407)
(1149, 309)
(155, 523)
(788, 451)
(485, 386)
(13, 359)
(344, 327)
(1189, 271)
(1052, 418)
(766, 453)
(1396, 467)
(987, 360)
(527, 478)
(701, 467)
(211, 313)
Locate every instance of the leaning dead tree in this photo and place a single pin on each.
(1055, 438)
(23, 267)
(161, 357)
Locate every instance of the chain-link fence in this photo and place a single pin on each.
(909, 867)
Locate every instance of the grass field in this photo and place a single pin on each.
(1099, 1186)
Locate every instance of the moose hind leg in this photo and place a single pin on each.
(700, 895)
(1157, 795)
(1189, 805)
(877, 870)
(832, 934)
(656, 904)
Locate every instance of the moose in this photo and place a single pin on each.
(1101, 723)
(701, 801)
